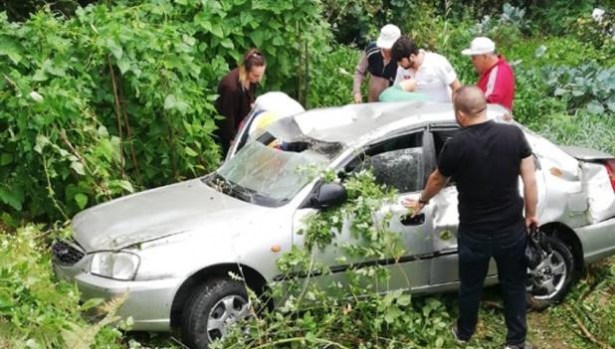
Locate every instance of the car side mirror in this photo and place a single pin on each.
(329, 195)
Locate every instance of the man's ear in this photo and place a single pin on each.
(461, 116)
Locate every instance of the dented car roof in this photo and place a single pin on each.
(349, 123)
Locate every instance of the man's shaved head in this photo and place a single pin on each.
(470, 101)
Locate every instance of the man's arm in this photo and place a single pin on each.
(435, 183)
(530, 191)
(455, 85)
(359, 74)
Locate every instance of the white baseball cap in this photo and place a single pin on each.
(388, 35)
(479, 46)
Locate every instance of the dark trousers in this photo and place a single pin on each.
(475, 251)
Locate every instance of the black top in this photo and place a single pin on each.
(375, 64)
(233, 103)
(485, 162)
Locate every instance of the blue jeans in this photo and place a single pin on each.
(475, 251)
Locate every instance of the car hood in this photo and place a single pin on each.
(158, 213)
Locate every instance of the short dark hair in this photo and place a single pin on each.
(470, 100)
(403, 48)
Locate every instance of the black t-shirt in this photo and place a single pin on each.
(485, 162)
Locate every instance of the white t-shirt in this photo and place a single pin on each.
(433, 78)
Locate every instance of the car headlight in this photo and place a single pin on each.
(115, 265)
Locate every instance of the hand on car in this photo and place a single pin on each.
(357, 98)
(413, 205)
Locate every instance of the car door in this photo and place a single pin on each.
(446, 219)
(396, 162)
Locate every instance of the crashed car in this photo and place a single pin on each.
(170, 249)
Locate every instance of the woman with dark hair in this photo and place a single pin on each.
(237, 93)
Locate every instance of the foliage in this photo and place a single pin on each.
(580, 129)
(121, 96)
(36, 311)
(330, 79)
(587, 86)
(19, 10)
(508, 26)
(556, 17)
(598, 29)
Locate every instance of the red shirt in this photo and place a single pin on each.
(498, 84)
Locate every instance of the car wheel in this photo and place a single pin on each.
(550, 281)
(212, 308)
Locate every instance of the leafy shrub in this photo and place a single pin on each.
(121, 97)
(587, 86)
(508, 25)
(37, 311)
(556, 17)
(331, 77)
(598, 29)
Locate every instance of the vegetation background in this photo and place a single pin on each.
(103, 98)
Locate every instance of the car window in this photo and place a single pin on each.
(397, 162)
(401, 169)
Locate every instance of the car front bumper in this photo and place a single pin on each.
(147, 302)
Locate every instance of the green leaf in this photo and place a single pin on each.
(559, 92)
(81, 200)
(126, 185)
(227, 43)
(91, 303)
(216, 29)
(190, 152)
(595, 108)
(124, 65)
(6, 159)
(11, 50)
(11, 198)
(403, 300)
(41, 142)
(258, 37)
(116, 50)
(102, 131)
(278, 41)
(170, 102)
(173, 103)
(78, 167)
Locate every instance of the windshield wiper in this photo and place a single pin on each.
(229, 188)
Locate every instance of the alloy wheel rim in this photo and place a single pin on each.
(549, 277)
(225, 313)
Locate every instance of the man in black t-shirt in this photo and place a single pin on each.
(486, 159)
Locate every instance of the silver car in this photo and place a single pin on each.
(171, 249)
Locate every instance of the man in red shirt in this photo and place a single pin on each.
(497, 79)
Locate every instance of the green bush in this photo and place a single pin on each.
(121, 97)
(331, 77)
(36, 311)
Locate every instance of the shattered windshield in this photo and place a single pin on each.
(267, 175)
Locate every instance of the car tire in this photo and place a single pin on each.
(212, 308)
(551, 280)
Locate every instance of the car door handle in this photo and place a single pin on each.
(409, 220)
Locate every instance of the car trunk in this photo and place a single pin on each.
(598, 182)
